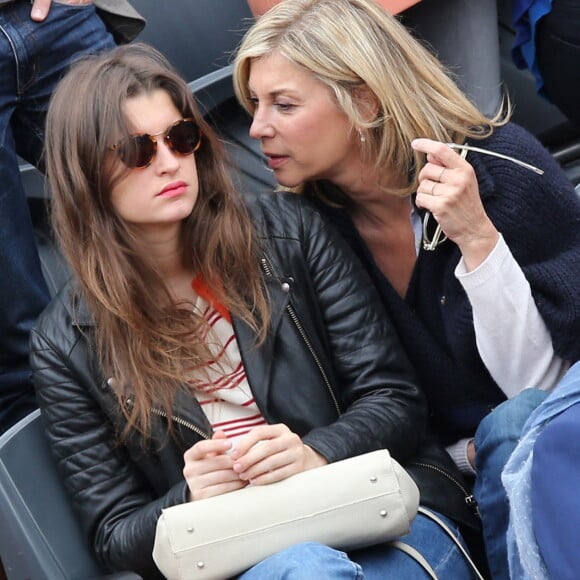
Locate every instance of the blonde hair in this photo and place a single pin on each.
(354, 46)
(144, 338)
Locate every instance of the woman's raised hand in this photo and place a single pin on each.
(209, 470)
(270, 453)
(448, 189)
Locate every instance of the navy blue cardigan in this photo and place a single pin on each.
(539, 218)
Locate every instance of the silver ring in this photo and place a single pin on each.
(435, 184)
(441, 174)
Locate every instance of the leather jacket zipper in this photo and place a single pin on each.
(469, 497)
(306, 340)
(179, 420)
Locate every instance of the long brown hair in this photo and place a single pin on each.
(144, 339)
(351, 45)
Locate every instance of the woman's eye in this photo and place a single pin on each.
(284, 106)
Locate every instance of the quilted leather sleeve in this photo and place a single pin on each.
(381, 404)
(118, 509)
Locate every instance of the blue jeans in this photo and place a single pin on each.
(312, 561)
(307, 561)
(495, 439)
(33, 57)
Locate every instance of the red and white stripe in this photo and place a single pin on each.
(223, 390)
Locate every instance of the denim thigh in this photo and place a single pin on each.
(495, 439)
(426, 536)
(306, 561)
(41, 54)
(313, 561)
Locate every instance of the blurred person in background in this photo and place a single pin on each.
(548, 44)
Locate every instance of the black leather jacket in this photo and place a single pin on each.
(332, 369)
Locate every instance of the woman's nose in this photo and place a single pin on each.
(167, 160)
(260, 127)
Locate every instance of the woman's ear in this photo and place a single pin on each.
(367, 102)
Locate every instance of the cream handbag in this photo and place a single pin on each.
(349, 504)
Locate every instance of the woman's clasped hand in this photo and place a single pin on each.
(267, 454)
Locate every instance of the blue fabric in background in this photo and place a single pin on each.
(554, 494)
(525, 560)
(526, 14)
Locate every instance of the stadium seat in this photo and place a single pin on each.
(40, 538)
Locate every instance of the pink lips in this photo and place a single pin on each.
(173, 189)
(275, 161)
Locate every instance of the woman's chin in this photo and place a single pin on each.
(286, 180)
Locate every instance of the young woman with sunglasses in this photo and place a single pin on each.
(190, 331)
(466, 225)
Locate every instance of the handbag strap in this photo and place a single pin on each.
(450, 533)
(417, 556)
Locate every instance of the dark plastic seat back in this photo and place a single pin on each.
(40, 538)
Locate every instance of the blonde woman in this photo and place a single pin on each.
(466, 225)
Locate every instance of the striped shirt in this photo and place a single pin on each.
(224, 392)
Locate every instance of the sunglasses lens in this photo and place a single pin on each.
(184, 137)
(137, 151)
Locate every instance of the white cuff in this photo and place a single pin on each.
(458, 452)
(490, 267)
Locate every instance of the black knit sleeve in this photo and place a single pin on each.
(539, 217)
